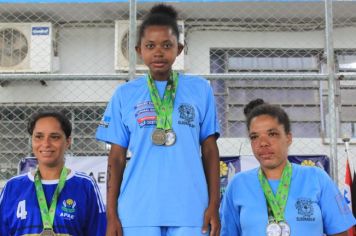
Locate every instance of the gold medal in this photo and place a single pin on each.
(170, 137)
(159, 137)
(48, 232)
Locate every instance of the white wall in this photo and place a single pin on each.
(200, 42)
(86, 50)
(58, 91)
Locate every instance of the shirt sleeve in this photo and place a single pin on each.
(210, 122)
(112, 128)
(337, 216)
(229, 215)
(4, 230)
(96, 221)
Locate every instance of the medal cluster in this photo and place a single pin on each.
(163, 137)
(276, 204)
(163, 134)
(278, 229)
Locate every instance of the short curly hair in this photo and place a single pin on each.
(60, 117)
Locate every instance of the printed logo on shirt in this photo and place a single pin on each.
(186, 114)
(105, 121)
(68, 209)
(145, 114)
(305, 209)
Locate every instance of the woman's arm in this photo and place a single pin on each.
(210, 154)
(115, 171)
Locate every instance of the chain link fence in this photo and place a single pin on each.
(72, 56)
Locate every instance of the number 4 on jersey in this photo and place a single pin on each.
(21, 210)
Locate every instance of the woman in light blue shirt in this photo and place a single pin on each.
(280, 198)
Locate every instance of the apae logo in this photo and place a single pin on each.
(68, 208)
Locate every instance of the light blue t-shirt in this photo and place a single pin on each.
(314, 206)
(162, 185)
(80, 210)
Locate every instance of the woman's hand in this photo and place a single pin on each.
(114, 227)
(211, 218)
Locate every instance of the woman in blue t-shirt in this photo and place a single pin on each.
(280, 198)
(167, 121)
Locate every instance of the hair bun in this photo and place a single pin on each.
(164, 10)
(251, 105)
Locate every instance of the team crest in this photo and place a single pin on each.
(305, 209)
(187, 115)
(68, 208)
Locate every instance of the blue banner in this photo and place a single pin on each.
(27, 164)
(320, 161)
(229, 166)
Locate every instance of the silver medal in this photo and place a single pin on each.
(159, 137)
(170, 137)
(273, 229)
(285, 228)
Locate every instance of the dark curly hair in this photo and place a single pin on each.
(162, 15)
(61, 118)
(259, 107)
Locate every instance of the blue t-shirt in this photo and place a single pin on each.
(80, 210)
(162, 185)
(314, 206)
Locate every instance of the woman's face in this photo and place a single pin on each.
(49, 142)
(269, 141)
(159, 49)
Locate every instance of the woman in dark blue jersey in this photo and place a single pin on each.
(52, 199)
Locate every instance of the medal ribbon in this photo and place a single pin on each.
(48, 215)
(277, 203)
(164, 107)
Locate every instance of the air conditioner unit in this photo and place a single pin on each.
(27, 47)
(121, 48)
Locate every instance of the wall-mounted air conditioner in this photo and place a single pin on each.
(121, 48)
(27, 47)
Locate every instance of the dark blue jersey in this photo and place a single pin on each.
(80, 209)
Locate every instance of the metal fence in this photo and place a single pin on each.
(71, 56)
